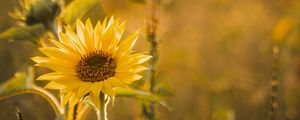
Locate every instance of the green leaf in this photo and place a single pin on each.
(30, 33)
(77, 8)
(139, 94)
(17, 84)
(163, 90)
(23, 83)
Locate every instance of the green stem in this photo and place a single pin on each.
(44, 94)
(49, 97)
(98, 114)
(277, 111)
(101, 112)
(274, 85)
(152, 38)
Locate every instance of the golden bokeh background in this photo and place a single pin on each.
(216, 55)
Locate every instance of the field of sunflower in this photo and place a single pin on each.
(150, 60)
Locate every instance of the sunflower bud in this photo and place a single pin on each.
(43, 12)
(36, 11)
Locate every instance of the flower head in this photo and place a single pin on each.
(91, 60)
(35, 11)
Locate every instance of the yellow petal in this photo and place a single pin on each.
(138, 68)
(54, 85)
(108, 38)
(59, 67)
(73, 100)
(89, 26)
(107, 88)
(97, 36)
(104, 23)
(62, 92)
(116, 82)
(132, 59)
(128, 77)
(83, 90)
(54, 64)
(79, 31)
(95, 99)
(120, 30)
(116, 29)
(64, 48)
(57, 54)
(73, 36)
(127, 44)
(39, 59)
(89, 34)
(56, 76)
(109, 24)
(44, 43)
(117, 34)
(97, 87)
(66, 98)
(133, 69)
(72, 85)
(67, 40)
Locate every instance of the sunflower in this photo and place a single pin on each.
(91, 60)
(32, 12)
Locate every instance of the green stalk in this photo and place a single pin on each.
(49, 97)
(101, 112)
(277, 109)
(274, 85)
(152, 39)
(42, 92)
(103, 106)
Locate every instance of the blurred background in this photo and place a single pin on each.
(216, 56)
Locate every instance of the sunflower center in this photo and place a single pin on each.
(96, 66)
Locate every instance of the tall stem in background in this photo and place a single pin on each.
(151, 34)
(152, 38)
(274, 84)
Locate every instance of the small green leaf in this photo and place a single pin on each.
(17, 84)
(139, 94)
(163, 90)
(77, 8)
(30, 33)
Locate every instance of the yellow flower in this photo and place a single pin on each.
(91, 61)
